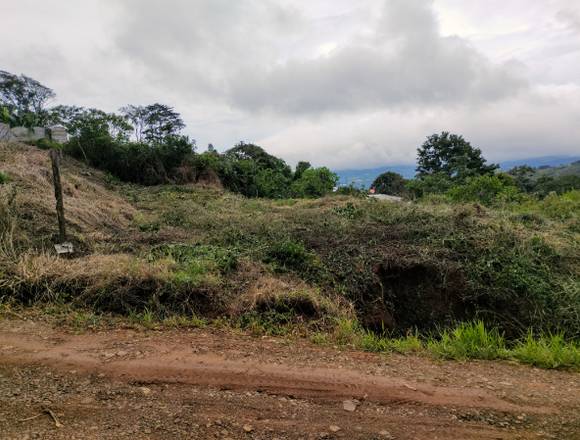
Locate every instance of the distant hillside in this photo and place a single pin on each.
(572, 169)
(365, 177)
(537, 162)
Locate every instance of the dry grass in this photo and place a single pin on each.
(90, 207)
(288, 295)
(44, 277)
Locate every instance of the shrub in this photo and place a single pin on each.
(4, 178)
(561, 207)
(47, 144)
(352, 190)
(485, 189)
(288, 255)
(437, 183)
(314, 182)
(248, 169)
(349, 211)
(197, 256)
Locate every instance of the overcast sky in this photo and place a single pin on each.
(342, 83)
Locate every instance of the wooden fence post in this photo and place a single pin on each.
(55, 159)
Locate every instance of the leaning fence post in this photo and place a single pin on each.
(55, 159)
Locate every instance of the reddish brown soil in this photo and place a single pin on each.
(215, 384)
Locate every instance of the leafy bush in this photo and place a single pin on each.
(561, 207)
(349, 211)
(47, 144)
(314, 182)
(129, 161)
(288, 255)
(437, 183)
(4, 178)
(352, 190)
(190, 256)
(249, 170)
(485, 189)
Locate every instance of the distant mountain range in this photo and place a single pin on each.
(365, 177)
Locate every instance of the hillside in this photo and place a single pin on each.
(572, 169)
(283, 302)
(190, 249)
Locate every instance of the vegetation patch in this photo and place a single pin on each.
(4, 178)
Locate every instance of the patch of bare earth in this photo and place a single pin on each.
(215, 384)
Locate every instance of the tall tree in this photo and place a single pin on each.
(153, 123)
(23, 99)
(136, 115)
(300, 168)
(390, 183)
(451, 155)
(90, 122)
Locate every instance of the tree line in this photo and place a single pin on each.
(449, 165)
(145, 144)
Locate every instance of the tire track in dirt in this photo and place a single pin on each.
(177, 364)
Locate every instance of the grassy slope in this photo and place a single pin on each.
(182, 250)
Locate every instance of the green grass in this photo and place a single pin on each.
(380, 344)
(181, 321)
(547, 351)
(469, 341)
(146, 319)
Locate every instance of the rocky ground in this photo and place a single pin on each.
(208, 383)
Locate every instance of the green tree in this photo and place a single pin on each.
(257, 154)
(559, 184)
(90, 123)
(390, 183)
(452, 156)
(300, 168)
(315, 182)
(437, 183)
(524, 177)
(24, 100)
(153, 123)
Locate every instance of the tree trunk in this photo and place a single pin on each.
(55, 159)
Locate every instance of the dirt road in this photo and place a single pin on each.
(202, 384)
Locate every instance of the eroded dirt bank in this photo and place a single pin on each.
(213, 384)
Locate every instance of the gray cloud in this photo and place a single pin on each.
(344, 83)
(242, 55)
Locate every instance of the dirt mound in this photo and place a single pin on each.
(91, 207)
